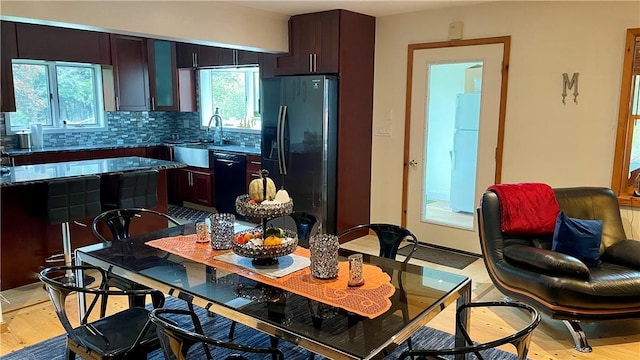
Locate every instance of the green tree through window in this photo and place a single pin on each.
(56, 95)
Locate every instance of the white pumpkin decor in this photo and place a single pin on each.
(282, 196)
(256, 188)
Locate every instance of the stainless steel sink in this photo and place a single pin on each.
(192, 154)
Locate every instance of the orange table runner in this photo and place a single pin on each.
(370, 300)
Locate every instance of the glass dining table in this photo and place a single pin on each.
(307, 321)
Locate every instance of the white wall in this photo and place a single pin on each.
(545, 141)
(207, 22)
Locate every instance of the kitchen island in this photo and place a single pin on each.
(26, 239)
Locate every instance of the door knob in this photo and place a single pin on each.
(413, 163)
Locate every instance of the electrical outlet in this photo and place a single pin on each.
(185, 123)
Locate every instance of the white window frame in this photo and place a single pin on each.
(58, 125)
(252, 95)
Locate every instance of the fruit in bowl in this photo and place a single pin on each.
(278, 242)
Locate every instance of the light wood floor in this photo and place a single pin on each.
(30, 318)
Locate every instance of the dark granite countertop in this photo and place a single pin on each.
(225, 148)
(32, 174)
(40, 149)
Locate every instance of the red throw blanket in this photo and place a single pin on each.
(526, 208)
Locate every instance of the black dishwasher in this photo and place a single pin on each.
(229, 172)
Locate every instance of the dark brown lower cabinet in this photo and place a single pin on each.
(195, 186)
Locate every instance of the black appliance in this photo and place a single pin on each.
(299, 141)
(229, 171)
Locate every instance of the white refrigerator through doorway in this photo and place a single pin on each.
(465, 153)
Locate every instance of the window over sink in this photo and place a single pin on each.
(60, 96)
(235, 92)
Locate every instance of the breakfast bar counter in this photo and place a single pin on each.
(27, 239)
(33, 174)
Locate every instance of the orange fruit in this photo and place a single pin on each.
(240, 239)
(272, 240)
(248, 236)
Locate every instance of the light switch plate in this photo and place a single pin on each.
(185, 123)
(455, 30)
(382, 130)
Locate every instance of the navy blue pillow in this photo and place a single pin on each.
(578, 238)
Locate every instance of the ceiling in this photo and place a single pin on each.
(373, 8)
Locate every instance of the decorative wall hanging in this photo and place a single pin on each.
(570, 84)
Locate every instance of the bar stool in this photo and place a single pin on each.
(137, 189)
(71, 200)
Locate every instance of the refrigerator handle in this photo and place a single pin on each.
(452, 155)
(281, 149)
(278, 139)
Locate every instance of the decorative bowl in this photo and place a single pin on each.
(244, 207)
(266, 254)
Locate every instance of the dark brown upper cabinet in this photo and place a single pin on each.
(200, 56)
(314, 44)
(51, 43)
(163, 75)
(187, 54)
(244, 57)
(130, 69)
(215, 56)
(9, 51)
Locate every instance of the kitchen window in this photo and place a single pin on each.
(60, 96)
(236, 94)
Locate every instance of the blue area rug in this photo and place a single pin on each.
(218, 327)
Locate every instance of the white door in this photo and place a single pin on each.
(446, 167)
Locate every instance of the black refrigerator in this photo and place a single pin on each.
(299, 142)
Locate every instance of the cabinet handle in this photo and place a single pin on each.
(254, 175)
(315, 62)
(310, 62)
(256, 162)
(195, 55)
(153, 103)
(117, 102)
(235, 57)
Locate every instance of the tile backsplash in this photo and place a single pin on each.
(140, 127)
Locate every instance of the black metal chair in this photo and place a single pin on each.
(520, 339)
(118, 222)
(176, 340)
(389, 236)
(127, 334)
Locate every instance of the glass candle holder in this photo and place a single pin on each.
(324, 256)
(202, 232)
(222, 230)
(355, 270)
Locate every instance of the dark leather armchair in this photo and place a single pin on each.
(524, 267)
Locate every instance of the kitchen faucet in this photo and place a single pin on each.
(217, 134)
